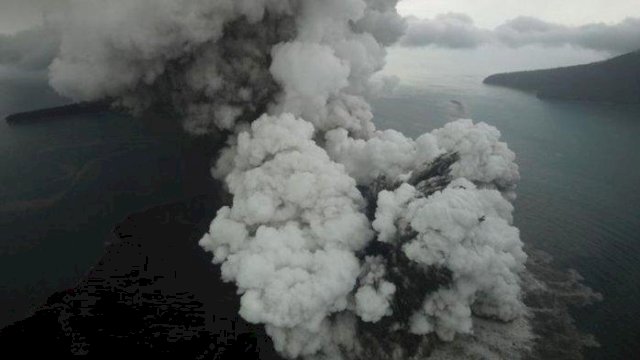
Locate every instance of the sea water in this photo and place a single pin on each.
(66, 182)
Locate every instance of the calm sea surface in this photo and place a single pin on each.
(65, 184)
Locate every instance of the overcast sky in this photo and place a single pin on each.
(491, 13)
(479, 29)
(20, 14)
(16, 15)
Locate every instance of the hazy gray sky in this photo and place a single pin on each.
(21, 14)
(484, 17)
(16, 15)
(491, 13)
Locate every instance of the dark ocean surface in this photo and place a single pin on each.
(65, 184)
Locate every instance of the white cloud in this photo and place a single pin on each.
(447, 30)
(459, 31)
(491, 13)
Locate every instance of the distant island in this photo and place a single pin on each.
(616, 80)
(59, 112)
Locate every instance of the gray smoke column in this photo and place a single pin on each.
(345, 241)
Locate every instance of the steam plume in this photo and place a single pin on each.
(345, 241)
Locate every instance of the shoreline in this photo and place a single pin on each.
(613, 81)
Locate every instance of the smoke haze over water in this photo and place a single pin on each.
(345, 241)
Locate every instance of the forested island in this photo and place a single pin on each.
(616, 80)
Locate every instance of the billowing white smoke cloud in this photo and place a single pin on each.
(466, 230)
(343, 240)
(459, 31)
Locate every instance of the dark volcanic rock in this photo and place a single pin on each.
(154, 293)
(615, 80)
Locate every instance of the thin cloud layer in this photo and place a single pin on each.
(452, 30)
(457, 31)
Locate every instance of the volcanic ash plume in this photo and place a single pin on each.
(346, 242)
